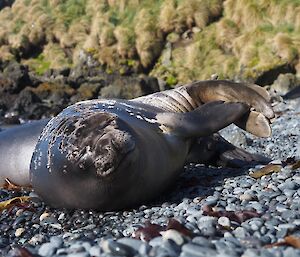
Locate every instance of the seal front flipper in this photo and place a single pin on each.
(204, 120)
(215, 150)
(16, 148)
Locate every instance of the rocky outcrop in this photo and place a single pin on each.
(27, 95)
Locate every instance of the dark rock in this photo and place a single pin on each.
(6, 85)
(54, 93)
(6, 102)
(11, 119)
(35, 79)
(284, 83)
(16, 77)
(268, 77)
(25, 100)
(3, 242)
(294, 93)
(87, 91)
(30, 96)
(5, 3)
(129, 87)
(64, 72)
(81, 73)
(3, 107)
(151, 85)
(29, 106)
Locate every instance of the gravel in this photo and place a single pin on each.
(221, 212)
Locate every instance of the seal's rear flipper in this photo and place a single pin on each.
(215, 150)
(204, 120)
(255, 123)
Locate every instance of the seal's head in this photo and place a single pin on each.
(85, 161)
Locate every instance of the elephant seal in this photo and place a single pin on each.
(115, 154)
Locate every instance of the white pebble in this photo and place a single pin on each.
(19, 232)
(224, 222)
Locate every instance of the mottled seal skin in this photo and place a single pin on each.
(115, 154)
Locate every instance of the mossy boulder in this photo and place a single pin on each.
(47, 91)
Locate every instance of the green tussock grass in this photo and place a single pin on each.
(235, 39)
(39, 64)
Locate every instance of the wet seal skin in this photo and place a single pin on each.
(111, 154)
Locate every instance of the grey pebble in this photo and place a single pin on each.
(281, 207)
(56, 241)
(3, 242)
(157, 241)
(224, 222)
(211, 200)
(95, 251)
(289, 192)
(292, 185)
(202, 241)
(240, 232)
(291, 252)
(251, 253)
(144, 249)
(246, 197)
(197, 250)
(120, 249)
(171, 248)
(47, 249)
(281, 232)
(81, 254)
(131, 242)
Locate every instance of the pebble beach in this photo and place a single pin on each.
(210, 211)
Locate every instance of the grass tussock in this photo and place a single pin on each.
(228, 37)
(250, 38)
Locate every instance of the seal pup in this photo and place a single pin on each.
(115, 154)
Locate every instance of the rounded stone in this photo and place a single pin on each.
(47, 249)
(196, 250)
(224, 222)
(19, 232)
(131, 242)
(173, 235)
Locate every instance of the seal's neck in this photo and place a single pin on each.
(174, 100)
(188, 97)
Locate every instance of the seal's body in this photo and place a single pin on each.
(16, 147)
(114, 154)
(114, 148)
